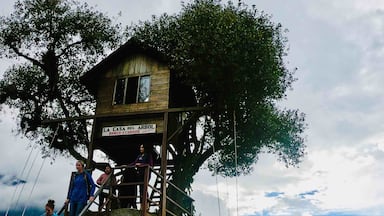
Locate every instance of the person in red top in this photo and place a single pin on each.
(108, 184)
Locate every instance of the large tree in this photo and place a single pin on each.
(55, 41)
(233, 58)
(231, 55)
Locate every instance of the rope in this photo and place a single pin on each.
(215, 172)
(226, 182)
(38, 173)
(235, 140)
(33, 187)
(26, 178)
(17, 186)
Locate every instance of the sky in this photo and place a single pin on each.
(338, 48)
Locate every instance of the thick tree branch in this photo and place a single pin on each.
(78, 156)
(64, 51)
(83, 122)
(34, 61)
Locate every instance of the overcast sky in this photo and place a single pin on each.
(338, 48)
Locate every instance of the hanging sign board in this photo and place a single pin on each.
(129, 130)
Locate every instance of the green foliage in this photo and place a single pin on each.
(57, 41)
(233, 57)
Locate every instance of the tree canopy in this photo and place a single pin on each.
(57, 41)
(233, 58)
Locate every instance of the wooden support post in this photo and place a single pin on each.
(164, 145)
(144, 196)
(90, 147)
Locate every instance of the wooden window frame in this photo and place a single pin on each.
(126, 88)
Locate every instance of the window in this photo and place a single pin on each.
(131, 93)
(132, 90)
(119, 91)
(144, 87)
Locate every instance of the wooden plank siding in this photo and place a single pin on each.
(136, 65)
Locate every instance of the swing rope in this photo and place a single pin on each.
(26, 178)
(17, 186)
(215, 173)
(235, 142)
(38, 173)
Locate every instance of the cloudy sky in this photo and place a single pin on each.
(338, 48)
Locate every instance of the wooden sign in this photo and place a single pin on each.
(129, 130)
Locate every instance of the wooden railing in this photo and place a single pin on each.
(148, 202)
(98, 192)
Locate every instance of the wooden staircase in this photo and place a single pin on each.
(155, 196)
(153, 204)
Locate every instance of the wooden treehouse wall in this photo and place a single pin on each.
(136, 65)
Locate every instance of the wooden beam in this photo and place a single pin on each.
(98, 116)
(181, 127)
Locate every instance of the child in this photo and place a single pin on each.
(49, 208)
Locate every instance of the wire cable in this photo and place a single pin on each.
(26, 178)
(17, 186)
(34, 184)
(39, 172)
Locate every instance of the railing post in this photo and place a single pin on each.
(95, 196)
(144, 197)
(109, 199)
(164, 166)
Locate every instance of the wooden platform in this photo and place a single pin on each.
(121, 212)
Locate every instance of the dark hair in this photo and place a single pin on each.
(108, 165)
(51, 204)
(147, 147)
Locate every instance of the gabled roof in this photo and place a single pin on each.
(131, 47)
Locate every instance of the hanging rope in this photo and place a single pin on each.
(235, 141)
(38, 173)
(215, 172)
(17, 186)
(26, 178)
(226, 182)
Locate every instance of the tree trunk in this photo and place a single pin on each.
(185, 170)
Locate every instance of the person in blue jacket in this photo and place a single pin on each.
(81, 189)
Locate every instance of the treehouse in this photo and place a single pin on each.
(138, 101)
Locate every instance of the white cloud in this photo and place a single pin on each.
(338, 47)
(333, 181)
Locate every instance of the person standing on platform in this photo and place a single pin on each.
(108, 184)
(143, 160)
(81, 189)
